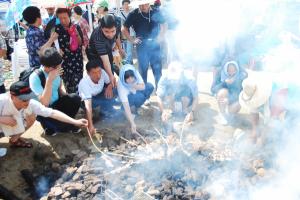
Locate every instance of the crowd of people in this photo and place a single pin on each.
(57, 88)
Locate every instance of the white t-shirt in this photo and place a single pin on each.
(7, 108)
(87, 88)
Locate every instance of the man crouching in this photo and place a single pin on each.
(177, 93)
(18, 112)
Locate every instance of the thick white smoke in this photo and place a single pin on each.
(204, 25)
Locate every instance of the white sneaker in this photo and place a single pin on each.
(222, 120)
(3, 152)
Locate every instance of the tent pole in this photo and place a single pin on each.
(90, 17)
(118, 6)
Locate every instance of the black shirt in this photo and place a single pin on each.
(144, 27)
(49, 27)
(86, 17)
(99, 45)
(118, 23)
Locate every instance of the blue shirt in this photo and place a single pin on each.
(34, 41)
(47, 20)
(37, 88)
(167, 86)
(145, 25)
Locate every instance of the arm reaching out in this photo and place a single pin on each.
(65, 118)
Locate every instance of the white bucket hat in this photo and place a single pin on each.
(175, 70)
(141, 2)
(257, 89)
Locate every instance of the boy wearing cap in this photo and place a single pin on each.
(51, 93)
(18, 112)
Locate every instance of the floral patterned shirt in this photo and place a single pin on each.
(34, 40)
(2, 47)
(85, 28)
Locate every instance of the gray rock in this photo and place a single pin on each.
(95, 188)
(66, 195)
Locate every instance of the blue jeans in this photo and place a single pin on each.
(105, 104)
(149, 52)
(128, 46)
(139, 98)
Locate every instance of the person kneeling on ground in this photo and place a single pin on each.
(227, 86)
(266, 98)
(178, 92)
(133, 92)
(18, 112)
(51, 93)
(95, 89)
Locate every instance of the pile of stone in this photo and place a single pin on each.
(80, 180)
(157, 171)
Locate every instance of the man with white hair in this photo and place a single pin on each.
(51, 14)
(148, 25)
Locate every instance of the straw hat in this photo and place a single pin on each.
(141, 2)
(257, 89)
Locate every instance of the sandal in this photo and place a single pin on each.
(20, 144)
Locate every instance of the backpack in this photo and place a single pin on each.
(24, 75)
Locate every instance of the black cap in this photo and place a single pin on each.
(22, 90)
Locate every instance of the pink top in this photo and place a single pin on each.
(85, 28)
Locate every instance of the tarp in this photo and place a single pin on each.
(14, 12)
(4, 6)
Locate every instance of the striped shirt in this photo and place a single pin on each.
(99, 45)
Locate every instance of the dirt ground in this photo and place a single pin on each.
(62, 145)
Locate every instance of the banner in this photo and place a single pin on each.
(72, 3)
(14, 13)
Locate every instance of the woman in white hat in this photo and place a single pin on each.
(263, 97)
(227, 86)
